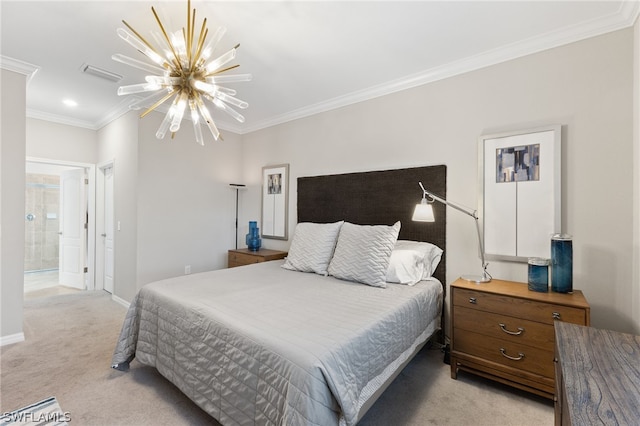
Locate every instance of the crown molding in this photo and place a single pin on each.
(626, 16)
(18, 66)
(60, 119)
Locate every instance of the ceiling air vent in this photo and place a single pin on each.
(99, 72)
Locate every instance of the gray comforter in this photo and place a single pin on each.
(264, 345)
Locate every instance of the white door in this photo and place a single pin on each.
(108, 230)
(72, 228)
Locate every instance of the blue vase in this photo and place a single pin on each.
(561, 263)
(538, 274)
(253, 237)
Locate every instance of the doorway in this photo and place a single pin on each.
(59, 227)
(105, 226)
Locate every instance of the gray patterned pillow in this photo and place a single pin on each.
(362, 253)
(312, 247)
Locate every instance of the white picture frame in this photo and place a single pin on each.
(275, 202)
(520, 192)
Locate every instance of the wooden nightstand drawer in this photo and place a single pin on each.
(503, 331)
(524, 308)
(507, 353)
(505, 327)
(244, 259)
(241, 257)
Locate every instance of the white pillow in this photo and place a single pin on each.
(362, 253)
(405, 267)
(312, 247)
(431, 255)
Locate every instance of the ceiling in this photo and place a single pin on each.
(305, 56)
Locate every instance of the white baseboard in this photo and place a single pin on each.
(120, 301)
(11, 339)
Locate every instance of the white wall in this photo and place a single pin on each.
(55, 141)
(186, 209)
(118, 142)
(586, 86)
(12, 184)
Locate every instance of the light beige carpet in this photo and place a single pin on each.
(70, 340)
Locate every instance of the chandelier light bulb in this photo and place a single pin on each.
(180, 70)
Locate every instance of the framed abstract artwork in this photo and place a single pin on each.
(520, 192)
(275, 201)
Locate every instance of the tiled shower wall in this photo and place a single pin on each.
(42, 209)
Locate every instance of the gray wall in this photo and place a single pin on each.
(587, 87)
(12, 180)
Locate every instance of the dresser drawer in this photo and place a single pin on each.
(531, 309)
(244, 259)
(500, 326)
(507, 353)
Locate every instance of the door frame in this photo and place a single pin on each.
(100, 223)
(91, 211)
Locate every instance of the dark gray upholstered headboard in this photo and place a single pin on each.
(378, 198)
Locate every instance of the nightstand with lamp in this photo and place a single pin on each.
(500, 329)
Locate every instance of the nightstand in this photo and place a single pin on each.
(240, 257)
(503, 331)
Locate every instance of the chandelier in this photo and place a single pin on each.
(183, 71)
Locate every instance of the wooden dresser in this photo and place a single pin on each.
(240, 257)
(503, 331)
(597, 376)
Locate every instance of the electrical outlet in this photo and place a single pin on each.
(187, 269)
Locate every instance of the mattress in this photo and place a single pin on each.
(263, 345)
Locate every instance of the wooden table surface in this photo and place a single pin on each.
(601, 374)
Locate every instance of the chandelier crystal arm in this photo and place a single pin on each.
(137, 64)
(213, 74)
(207, 118)
(157, 104)
(188, 34)
(195, 118)
(226, 108)
(210, 47)
(237, 78)
(230, 99)
(164, 126)
(204, 31)
(142, 39)
(137, 88)
(222, 60)
(166, 37)
(141, 47)
(136, 105)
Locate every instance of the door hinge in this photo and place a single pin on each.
(86, 269)
(86, 181)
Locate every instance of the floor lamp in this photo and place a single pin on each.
(237, 187)
(424, 213)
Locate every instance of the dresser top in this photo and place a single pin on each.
(521, 290)
(601, 374)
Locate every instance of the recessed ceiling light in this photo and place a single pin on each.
(70, 102)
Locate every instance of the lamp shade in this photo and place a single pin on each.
(423, 212)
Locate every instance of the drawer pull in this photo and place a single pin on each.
(513, 358)
(513, 333)
(473, 300)
(556, 315)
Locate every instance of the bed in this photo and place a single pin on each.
(312, 339)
